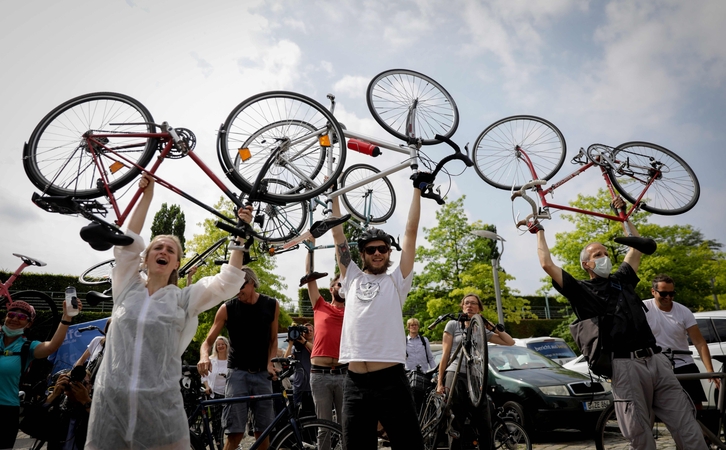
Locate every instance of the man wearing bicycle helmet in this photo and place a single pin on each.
(376, 386)
(643, 382)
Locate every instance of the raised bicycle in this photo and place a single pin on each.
(521, 153)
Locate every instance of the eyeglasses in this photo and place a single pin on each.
(371, 249)
(665, 293)
(18, 315)
(335, 285)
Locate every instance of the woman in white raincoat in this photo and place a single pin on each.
(137, 401)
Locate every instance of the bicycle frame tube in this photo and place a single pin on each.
(5, 287)
(621, 217)
(168, 144)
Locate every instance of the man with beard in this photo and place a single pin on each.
(326, 373)
(372, 341)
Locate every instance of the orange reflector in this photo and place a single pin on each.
(244, 153)
(324, 140)
(116, 166)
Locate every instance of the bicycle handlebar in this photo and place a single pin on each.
(522, 192)
(428, 191)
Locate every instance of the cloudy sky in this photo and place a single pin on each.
(602, 71)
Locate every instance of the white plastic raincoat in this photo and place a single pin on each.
(137, 403)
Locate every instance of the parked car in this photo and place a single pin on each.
(541, 394)
(554, 348)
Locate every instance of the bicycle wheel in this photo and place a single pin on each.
(292, 133)
(510, 435)
(498, 162)
(279, 223)
(372, 202)
(59, 160)
(430, 420)
(98, 274)
(410, 105)
(315, 433)
(199, 258)
(607, 431)
(476, 367)
(675, 188)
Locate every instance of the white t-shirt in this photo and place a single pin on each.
(669, 328)
(373, 322)
(217, 376)
(94, 348)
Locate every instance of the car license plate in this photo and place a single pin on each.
(596, 405)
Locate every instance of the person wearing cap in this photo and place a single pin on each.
(19, 318)
(376, 388)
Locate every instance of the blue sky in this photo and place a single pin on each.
(605, 71)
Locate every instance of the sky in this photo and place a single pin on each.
(602, 71)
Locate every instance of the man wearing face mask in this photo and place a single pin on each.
(643, 382)
(326, 373)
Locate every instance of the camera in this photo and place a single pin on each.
(294, 332)
(78, 374)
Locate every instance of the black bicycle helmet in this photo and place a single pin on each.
(373, 234)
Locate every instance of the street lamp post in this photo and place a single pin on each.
(495, 268)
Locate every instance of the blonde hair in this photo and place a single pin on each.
(215, 355)
(174, 276)
(412, 320)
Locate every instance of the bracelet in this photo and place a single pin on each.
(66, 322)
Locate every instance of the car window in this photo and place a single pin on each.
(552, 349)
(505, 358)
(707, 330)
(720, 326)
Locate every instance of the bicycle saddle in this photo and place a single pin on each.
(644, 245)
(101, 238)
(312, 277)
(94, 298)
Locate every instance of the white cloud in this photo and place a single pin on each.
(354, 86)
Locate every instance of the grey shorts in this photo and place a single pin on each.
(241, 383)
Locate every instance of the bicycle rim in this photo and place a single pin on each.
(200, 258)
(290, 130)
(497, 161)
(98, 274)
(393, 94)
(511, 436)
(476, 368)
(375, 201)
(59, 161)
(430, 420)
(276, 223)
(675, 188)
(315, 433)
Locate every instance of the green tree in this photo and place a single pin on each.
(170, 220)
(263, 265)
(457, 263)
(683, 253)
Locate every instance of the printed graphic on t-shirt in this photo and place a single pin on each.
(368, 291)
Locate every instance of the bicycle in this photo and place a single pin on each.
(607, 430)
(522, 153)
(473, 348)
(87, 149)
(294, 432)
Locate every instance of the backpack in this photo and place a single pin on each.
(593, 337)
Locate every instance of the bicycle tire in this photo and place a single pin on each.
(279, 223)
(197, 259)
(430, 419)
(98, 274)
(476, 368)
(392, 93)
(607, 431)
(675, 191)
(44, 325)
(311, 430)
(498, 163)
(379, 192)
(263, 123)
(57, 159)
(510, 435)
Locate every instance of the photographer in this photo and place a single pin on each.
(301, 344)
(62, 420)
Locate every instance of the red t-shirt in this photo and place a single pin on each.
(328, 326)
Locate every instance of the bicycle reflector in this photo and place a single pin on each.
(324, 140)
(244, 153)
(116, 166)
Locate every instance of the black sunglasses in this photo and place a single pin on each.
(665, 293)
(371, 249)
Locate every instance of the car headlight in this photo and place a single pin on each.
(560, 390)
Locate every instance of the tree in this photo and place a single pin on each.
(683, 253)
(458, 263)
(170, 220)
(263, 265)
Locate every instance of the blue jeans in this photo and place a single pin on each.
(241, 383)
(381, 396)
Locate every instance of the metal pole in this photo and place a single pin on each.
(497, 290)
(715, 295)
(547, 306)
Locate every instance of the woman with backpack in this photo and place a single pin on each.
(16, 354)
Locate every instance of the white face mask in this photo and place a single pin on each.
(9, 332)
(603, 266)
